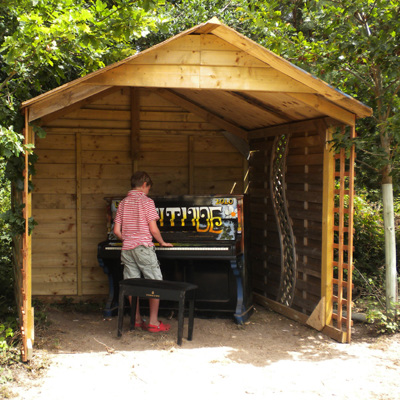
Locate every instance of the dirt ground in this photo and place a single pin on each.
(268, 357)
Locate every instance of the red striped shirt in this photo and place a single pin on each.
(134, 214)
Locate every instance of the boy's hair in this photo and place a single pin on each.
(140, 177)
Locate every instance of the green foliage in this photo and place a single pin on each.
(369, 260)
(10, 143)
(8, 340)
(369, 243)
(369, 237)
(385, 321)
(6, 276)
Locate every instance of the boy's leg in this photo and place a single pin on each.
(154, 306)
(138, 317)
(147, 261)
(131, 270)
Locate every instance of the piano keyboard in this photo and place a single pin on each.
(182, 248)
(199, 248)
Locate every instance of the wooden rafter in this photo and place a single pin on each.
(202, 112)
(292, 127)
(63, 99)
(325, 107)
(269, 108)
(76, 105)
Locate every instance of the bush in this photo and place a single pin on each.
(369, 243)
(369, 262)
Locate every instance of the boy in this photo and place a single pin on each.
(136, 225)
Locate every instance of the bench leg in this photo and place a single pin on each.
(120, 311)
(133, 312)
(181, 318)
(191, 319)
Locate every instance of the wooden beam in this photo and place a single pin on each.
(200, 76)
(241, 145)
(178, 76)
(327, 228)
(262, 106)
(325, 107)
(166, 56)
(335, 334)
(284, 129)
(25, 288)
(209, 26)
(202, 112)
(63, 99)
(76, 106)
(281, 308)
(264, 79)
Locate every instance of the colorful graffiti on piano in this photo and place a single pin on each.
(204, 219)
(220, 218)
(214, 219)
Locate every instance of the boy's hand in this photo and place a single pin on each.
(164, 244)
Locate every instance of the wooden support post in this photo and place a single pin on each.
(27, 322)
(350, 235)
(78, 147)
(135, 128)
(327, 229)
(340, 260)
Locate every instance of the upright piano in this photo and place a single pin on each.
(209, 250)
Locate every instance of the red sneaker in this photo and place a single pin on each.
(141, 325)
(159, 328)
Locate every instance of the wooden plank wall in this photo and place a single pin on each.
(304, 197)
(87, 156)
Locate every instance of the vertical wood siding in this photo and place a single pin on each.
(303, 178)
(87, 156)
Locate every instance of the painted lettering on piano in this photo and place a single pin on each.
(204, 219)
(216, 216)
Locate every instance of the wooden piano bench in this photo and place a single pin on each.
(166, 290)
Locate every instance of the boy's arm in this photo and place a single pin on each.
(118, 230)
(157, 235)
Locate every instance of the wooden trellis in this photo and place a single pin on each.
(342, 251)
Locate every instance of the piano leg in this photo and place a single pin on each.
(107, 309)
(113, 270)
(242, 313)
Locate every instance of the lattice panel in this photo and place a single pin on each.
(343, 241)
(278, 189)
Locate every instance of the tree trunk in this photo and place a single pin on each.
(390, 245)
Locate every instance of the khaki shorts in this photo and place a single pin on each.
(141, 259)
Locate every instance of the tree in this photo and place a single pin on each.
(43, 44)
(354, 45)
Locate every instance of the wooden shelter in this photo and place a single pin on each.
(208, 111)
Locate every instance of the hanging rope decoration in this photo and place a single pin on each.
(286, 237)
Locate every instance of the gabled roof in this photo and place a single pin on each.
(213, 69)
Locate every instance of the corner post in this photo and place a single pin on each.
(327, 228)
